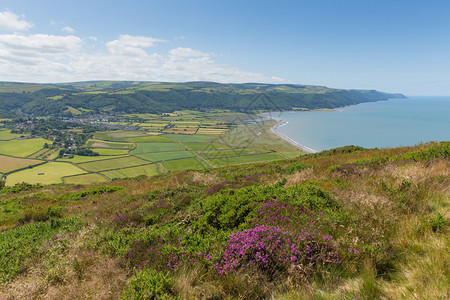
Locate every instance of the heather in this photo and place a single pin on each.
(343, 224)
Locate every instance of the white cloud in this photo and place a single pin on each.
(181, 37)
(39, 44)
(181, 53)
(68, 29)
(10, 21)
(50, 58)
(128, 45)
(93, 38)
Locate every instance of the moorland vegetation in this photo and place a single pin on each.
(342, 224)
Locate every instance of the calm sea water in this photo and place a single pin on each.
(393, 123)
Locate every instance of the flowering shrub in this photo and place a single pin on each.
(159, 251)
(270, 250)
(120, 219)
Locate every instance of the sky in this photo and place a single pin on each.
(392, 46)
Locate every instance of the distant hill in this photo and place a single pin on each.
(159, 97)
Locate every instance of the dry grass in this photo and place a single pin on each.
(300, 177)
(205, 178)
(76, 273)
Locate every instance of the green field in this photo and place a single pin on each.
(104, 144)
(147, 170)
(84, 179)
(7, 135)
(124, 134)
(8, 163)
(226, 161)
(184, 164)
(212, 131)
(151, 139)
(108, 152)
(187, 138)
(201, 146)
(131, 153)
(108, 136)
(40, 153)
(21, 148)
(73, 110)
(110, 164)
(156, 147)
(78, 159)
(52, 172)
(161, 156)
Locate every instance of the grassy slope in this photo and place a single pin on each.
(386, 210)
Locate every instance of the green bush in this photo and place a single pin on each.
(147, 284)
(441, 150)
(438, 222)
(39, 215)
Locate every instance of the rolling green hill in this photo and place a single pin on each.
(158, 97)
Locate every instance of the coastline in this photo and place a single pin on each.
(288, 139)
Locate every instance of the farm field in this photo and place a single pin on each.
(187, 138)
(147, 170)
(52, 172)
(84, 179)
(156, 147)
(7, 135)
(78, 159)
(151, 139)
(184, 131)
(202, 146)
(8, 163)
(40, 153)
(21, 148)
(124, 134)
(211, 131)
(109, 152)
(110, 137)
(104, 144)
(162, 156)
(124, 153)
(184, 164)
(110, 164)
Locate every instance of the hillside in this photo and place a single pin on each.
(348, 223)
(158, 97)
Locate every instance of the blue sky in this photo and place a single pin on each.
(394, 46)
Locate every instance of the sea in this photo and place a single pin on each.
(384, 124)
